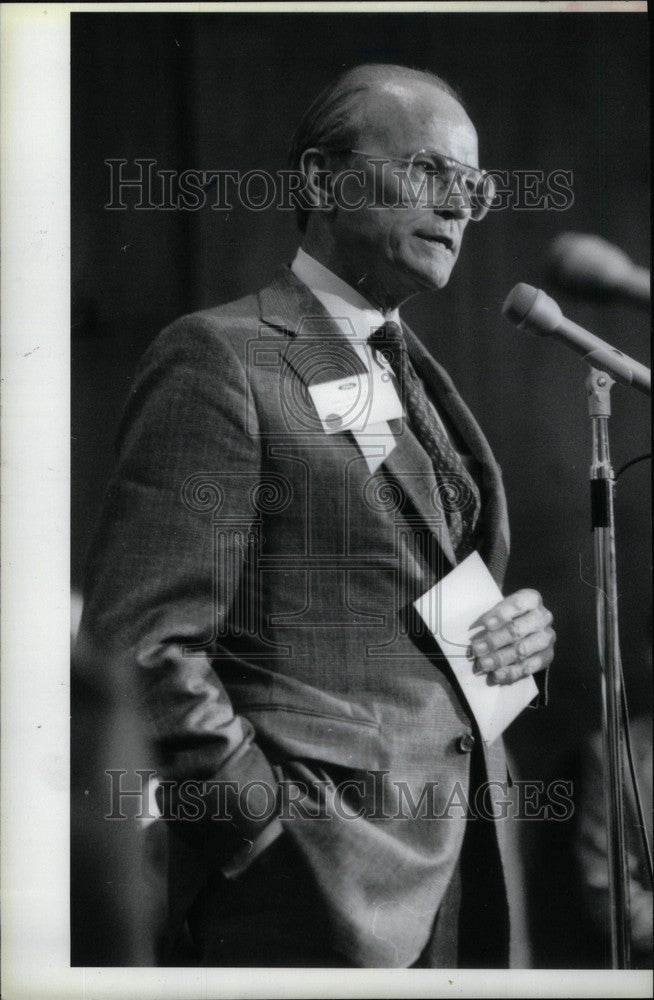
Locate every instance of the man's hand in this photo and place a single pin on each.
(516, 638)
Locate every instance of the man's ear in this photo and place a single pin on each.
(318, 189)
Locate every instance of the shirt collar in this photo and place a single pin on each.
(353, 313)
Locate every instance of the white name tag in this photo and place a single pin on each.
(356, 403)
(447, 610)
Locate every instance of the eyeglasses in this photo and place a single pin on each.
(433, 172)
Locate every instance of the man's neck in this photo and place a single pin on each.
(339, 298)
(326, 255)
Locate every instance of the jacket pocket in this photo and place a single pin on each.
(286, 732)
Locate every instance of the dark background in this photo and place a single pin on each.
(547, 91)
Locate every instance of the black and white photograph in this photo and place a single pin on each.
(357, 541)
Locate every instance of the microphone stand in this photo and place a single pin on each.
(598, 385)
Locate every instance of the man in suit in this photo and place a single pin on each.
(258, 559)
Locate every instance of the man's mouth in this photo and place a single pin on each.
(445, 242)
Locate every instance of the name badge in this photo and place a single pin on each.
(357, 402)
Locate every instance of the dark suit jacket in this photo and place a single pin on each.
(259, 582)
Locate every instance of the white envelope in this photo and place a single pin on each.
(357, 402)
(448, 610)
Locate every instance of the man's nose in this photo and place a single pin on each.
(454, 206)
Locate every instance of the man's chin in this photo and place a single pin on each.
(432, 278)
(412, 277)
(433, 268)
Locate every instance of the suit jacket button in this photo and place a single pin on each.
(465, 743)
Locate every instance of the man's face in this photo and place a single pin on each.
(394, 250)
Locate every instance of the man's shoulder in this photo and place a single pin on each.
(236, 312)
(222, 324)
(218, 330)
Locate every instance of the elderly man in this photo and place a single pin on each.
(261, 551)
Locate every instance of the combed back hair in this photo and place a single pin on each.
(338, 115)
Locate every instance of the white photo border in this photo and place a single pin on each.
(35, 566)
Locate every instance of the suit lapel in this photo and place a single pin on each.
(495, 545)
(419, 486)
(286, 300)
(318, 350)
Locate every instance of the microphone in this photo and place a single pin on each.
(531, 309)
(590, 266)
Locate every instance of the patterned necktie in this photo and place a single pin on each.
(457, 489)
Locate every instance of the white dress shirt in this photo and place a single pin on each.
(356, 317)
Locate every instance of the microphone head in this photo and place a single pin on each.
(587, 265)
(518, 303)
(531, 309)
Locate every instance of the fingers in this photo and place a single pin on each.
(513, 632)
(517, 652)
(531, 665)
(515, 638)
(508, 609)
